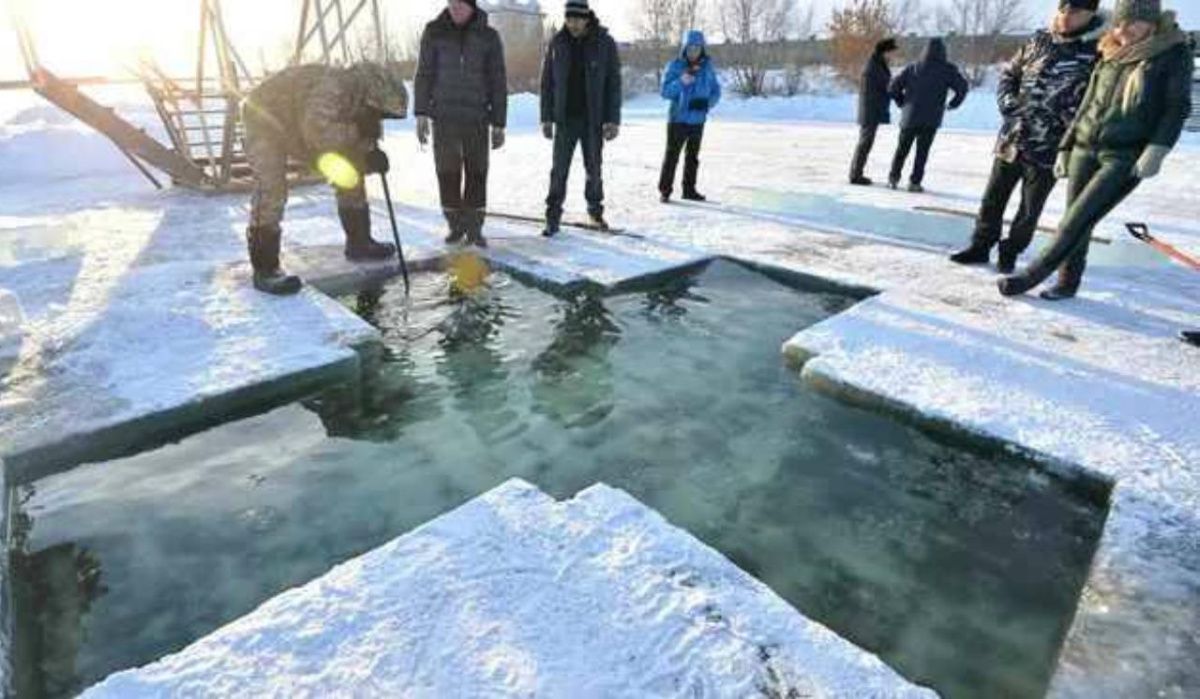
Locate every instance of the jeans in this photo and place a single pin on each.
(566, 137)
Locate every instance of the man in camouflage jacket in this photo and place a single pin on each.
(1039, 92)
(330, 118)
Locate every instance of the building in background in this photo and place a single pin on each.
(522, 28)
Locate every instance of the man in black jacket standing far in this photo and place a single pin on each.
(921, 90)
(580, 104)
(874, 107)
(1039, 92)
(461, 84)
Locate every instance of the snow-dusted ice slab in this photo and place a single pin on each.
(515, 594)
(1098, 386)
(164, 347)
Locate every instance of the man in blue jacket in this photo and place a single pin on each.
(692, 86)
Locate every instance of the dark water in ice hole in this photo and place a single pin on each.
(960, 568)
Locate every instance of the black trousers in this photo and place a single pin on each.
(1036, 185)
(460, 154)
(866, 141)
(1098, 182)
(678, 136)
(924, 139)
(566, 137)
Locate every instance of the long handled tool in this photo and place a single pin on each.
(387, 196)
(1142, 232)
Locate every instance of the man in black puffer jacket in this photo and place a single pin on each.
(1040, 90)
(874, 107)
(921, 89)
(461, 85)
(580, 104)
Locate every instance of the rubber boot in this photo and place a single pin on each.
(473, 224)
(454, 219)
(360, 247)
(974, 254)
(263, 245)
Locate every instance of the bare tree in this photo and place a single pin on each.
(907, 16)
(854, 30)
(980, 24)
(661, 23)
(753, 24)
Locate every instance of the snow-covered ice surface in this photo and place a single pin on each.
(516, 594)
(1098, 383)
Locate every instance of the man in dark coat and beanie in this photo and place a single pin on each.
(874, 107)
(1040, 89)
(461, 85)
(921, 90)
(580, 104)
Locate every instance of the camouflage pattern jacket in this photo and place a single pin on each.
(315, 109)
(1040, 91)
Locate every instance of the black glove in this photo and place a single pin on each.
(698, 104)
(377, 162)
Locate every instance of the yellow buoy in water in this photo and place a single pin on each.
(467, 272)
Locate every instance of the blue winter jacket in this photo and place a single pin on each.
(690, 104)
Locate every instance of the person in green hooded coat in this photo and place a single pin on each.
(1137, 101)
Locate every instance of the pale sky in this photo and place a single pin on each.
(89, 37)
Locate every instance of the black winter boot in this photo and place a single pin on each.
(360, 247)
(1015, 285)
(597, 220)
(454, 220)
(974, 254)
(693, 195)
(473, 225)
(915, 188)
(861, 181)
(263, 245)
(1192, 337)
(1007, 259)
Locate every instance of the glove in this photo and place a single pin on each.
(377, 162)
(1150, 162)
(423, 130)
(497, 138)
(698, 104)
(610, 131)
(548, 129)
(1060, 164)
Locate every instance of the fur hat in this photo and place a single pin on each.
(1138, 10)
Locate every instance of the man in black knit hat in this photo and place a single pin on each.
(1039, 92)
(580, 104)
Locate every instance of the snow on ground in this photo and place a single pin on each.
(1099, 382)
(516, 594)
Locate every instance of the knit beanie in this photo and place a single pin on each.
(1135, 10)
(578, 8)
(1089, 5)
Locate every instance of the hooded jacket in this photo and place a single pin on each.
(922, 87)
(874, 104)
(1137, 100)
(1040, 90)
(602, 77)
(460, 72)
(690, 104)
